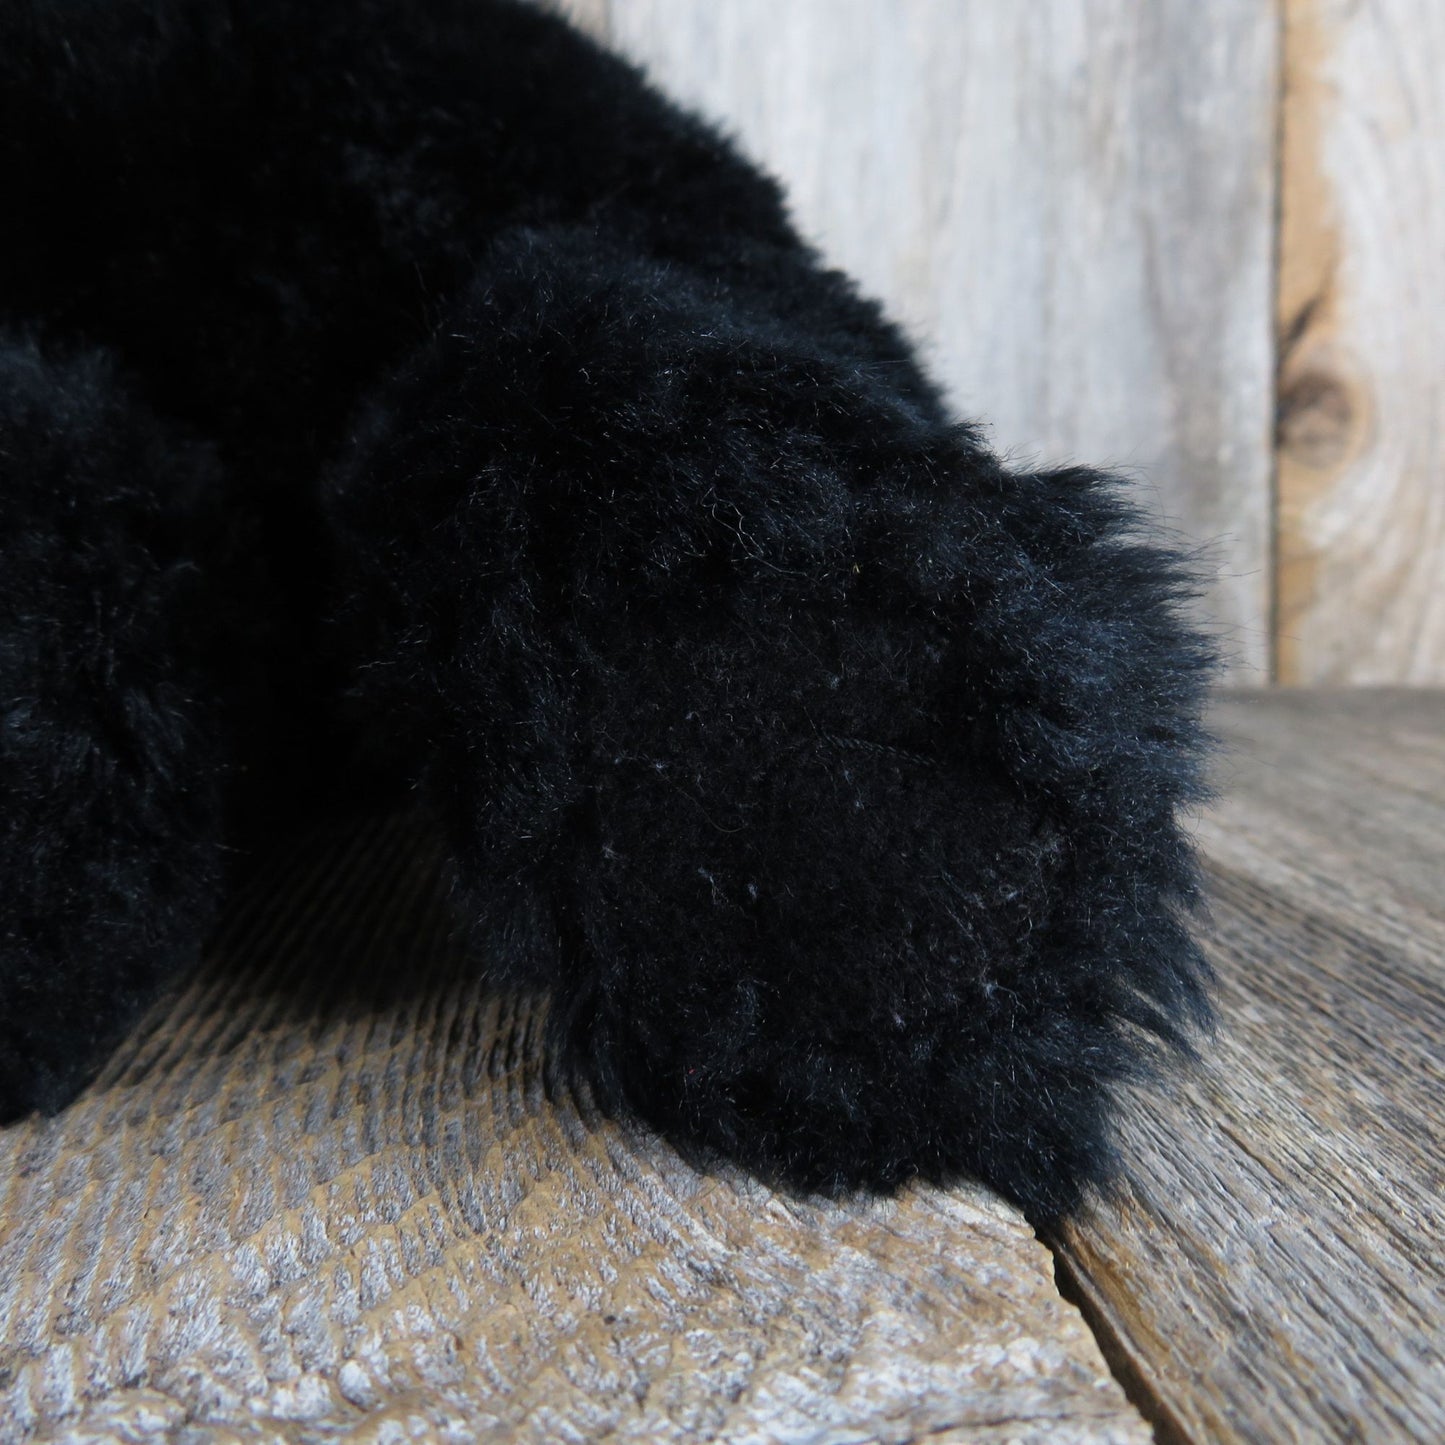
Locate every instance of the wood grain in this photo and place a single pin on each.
(1361, 545)
(1274, 1271)
(1070, 204)
(323, 1195)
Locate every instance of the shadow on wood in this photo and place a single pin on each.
(321, 1194)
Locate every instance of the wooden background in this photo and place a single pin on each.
(1201, 243)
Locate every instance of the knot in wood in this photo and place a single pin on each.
(1317, 419)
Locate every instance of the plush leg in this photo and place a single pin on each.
(111, 756)
(824, 769)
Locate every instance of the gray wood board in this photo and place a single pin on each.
(1274, 1271)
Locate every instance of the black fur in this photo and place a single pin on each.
(407, 391)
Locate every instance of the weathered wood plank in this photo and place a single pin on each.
(324, 1195)
(1273, 1271)
(588, 15)
(1070, 204)
(1361, 547)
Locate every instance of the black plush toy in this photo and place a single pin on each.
(403, 394)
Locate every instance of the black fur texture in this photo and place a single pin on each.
(405, 392)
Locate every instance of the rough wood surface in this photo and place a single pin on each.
(1275, 1271)
(322, 1195)
(1070, 203)
(1361, 547)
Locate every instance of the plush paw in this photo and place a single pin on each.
(825, 770)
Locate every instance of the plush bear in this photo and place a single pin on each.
(402, 395)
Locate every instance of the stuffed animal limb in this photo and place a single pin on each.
(780, 731)
(825, 770)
